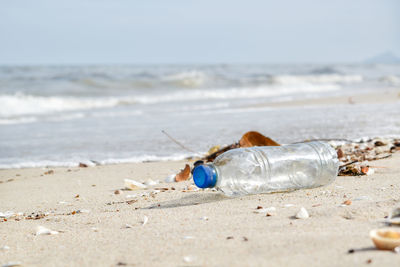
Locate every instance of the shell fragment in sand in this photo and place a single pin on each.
(40, 230)
(133, 185)
(170, 178)
(266, 210)
(302, 214)
(145, 220)
(12, 264)
(151, 182)
(7, 214)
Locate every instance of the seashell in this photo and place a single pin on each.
(394, 217)
(386, 238)
(302, 214)
(188, 259)
(133, 185)
(145, 220)
(150, 182)
(40, 230)
(170, 178)
(7, 214)
(12, 264)
(5, 248)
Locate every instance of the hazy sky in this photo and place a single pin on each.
(202, 31)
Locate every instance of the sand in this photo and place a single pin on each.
(195, 228)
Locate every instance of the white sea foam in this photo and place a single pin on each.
(18, 105)
(316, 79)
(75, 163)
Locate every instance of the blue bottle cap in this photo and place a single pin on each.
(204, 176)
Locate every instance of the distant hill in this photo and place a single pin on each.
(384, 58)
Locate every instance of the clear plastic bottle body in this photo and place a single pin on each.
(275, 169)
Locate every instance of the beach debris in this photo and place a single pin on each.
(151, 182)
(94, 229)
(245, 239)
(184, 174)
(204, 218)
(253, 138)
(7, 214)
(394, 217)
(302, 214)
(170, 178)
(288, 205)
(49, 172)
(249, 139)
(360, 198)
(347, 202)
(12, 264)
(188, 237)
(83, 165)
(76, 196)
(127, 225)
(36, 216)
(133, 185)
(386, 238)
(118, 192)
(188, 258)
(3, 248)
(355, 155)
(229, 237)
(397, 250)
(131, 196)
(145, 220)
(265, 210)
(41, 230)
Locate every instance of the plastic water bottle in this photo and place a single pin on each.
(270, 169)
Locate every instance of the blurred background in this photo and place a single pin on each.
(97, 81)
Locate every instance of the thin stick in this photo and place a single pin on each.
(178, 143)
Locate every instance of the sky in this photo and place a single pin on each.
(203, 31)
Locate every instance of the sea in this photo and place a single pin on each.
(64, 115)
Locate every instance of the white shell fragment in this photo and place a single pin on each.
(394, 217)
(288, 205)
(266, 210)
(188, 259)
(133, 185)
(204, 218)
(5, 248)
(12, 264)
(302, 214)
(145, 220)
(370, 171)
(170, 178)
(40, 230)
(7, 214)
(128, 225)
(150, 182)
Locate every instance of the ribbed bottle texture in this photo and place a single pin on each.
(275, 169)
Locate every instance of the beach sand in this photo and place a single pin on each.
(195, 228)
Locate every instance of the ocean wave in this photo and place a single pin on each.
(316, 79)
(18, 105)
(75, 163)
(235, 93)
(21, 104)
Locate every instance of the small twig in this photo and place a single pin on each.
(178, 143)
